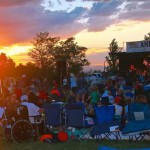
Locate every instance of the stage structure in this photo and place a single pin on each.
(137, 56)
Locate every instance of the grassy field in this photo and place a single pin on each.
(71, 145)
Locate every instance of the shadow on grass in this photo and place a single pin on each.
(71, 145)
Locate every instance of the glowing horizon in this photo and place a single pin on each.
(94, 24)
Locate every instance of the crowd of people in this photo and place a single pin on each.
(118, 91)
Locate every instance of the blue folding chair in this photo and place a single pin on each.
(53, 115)
(138, 122)
(106, 126)
(75, 122)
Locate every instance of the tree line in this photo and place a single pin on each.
(47, 51)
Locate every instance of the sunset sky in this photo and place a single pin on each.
(93, 23)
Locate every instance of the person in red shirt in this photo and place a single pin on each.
(55, 94)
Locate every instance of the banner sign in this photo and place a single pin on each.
(138, 46)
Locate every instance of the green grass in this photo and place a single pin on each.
(71, 145)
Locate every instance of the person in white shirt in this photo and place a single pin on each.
(118, 108)
(33, 110)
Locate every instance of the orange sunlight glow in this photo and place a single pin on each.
(15, 50)
(17, 53)
(95, 50)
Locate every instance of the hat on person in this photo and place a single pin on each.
(24, 97)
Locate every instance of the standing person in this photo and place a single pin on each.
(65, 82)
(94, 96)
(73, 83)
(81, 87)
(93, 80)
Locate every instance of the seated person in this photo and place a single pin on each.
(94, 96)
(71, 97)
(11, 107)
(34, 116)
(118, 108)
(105, 100)
(55, 94)
(33, 110)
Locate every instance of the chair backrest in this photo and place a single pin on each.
(138, 119)
(104, 114)
(83, 107)
(138, 111)
(52, 114)
(74, 115)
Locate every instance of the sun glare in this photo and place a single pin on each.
(15, 50)
(18, 53)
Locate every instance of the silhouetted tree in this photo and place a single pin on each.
(7, 66)
(74, 54)
(112, 58)
(47, 51)
(29, 69)
(42, 51)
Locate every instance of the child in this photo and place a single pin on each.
(94, 96)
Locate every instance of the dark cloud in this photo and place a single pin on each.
(137, 0)
(145, 5)
(21, 20)
(8, 3)
(104, 9)
(89, 0)
(97, 0)
(22, 23)
(100, 15)
(136, 11)
(138, 15)
(96, 24)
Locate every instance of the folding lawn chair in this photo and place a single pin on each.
(106, 127)
(75, 122)
(138, 122)
(53, 115)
